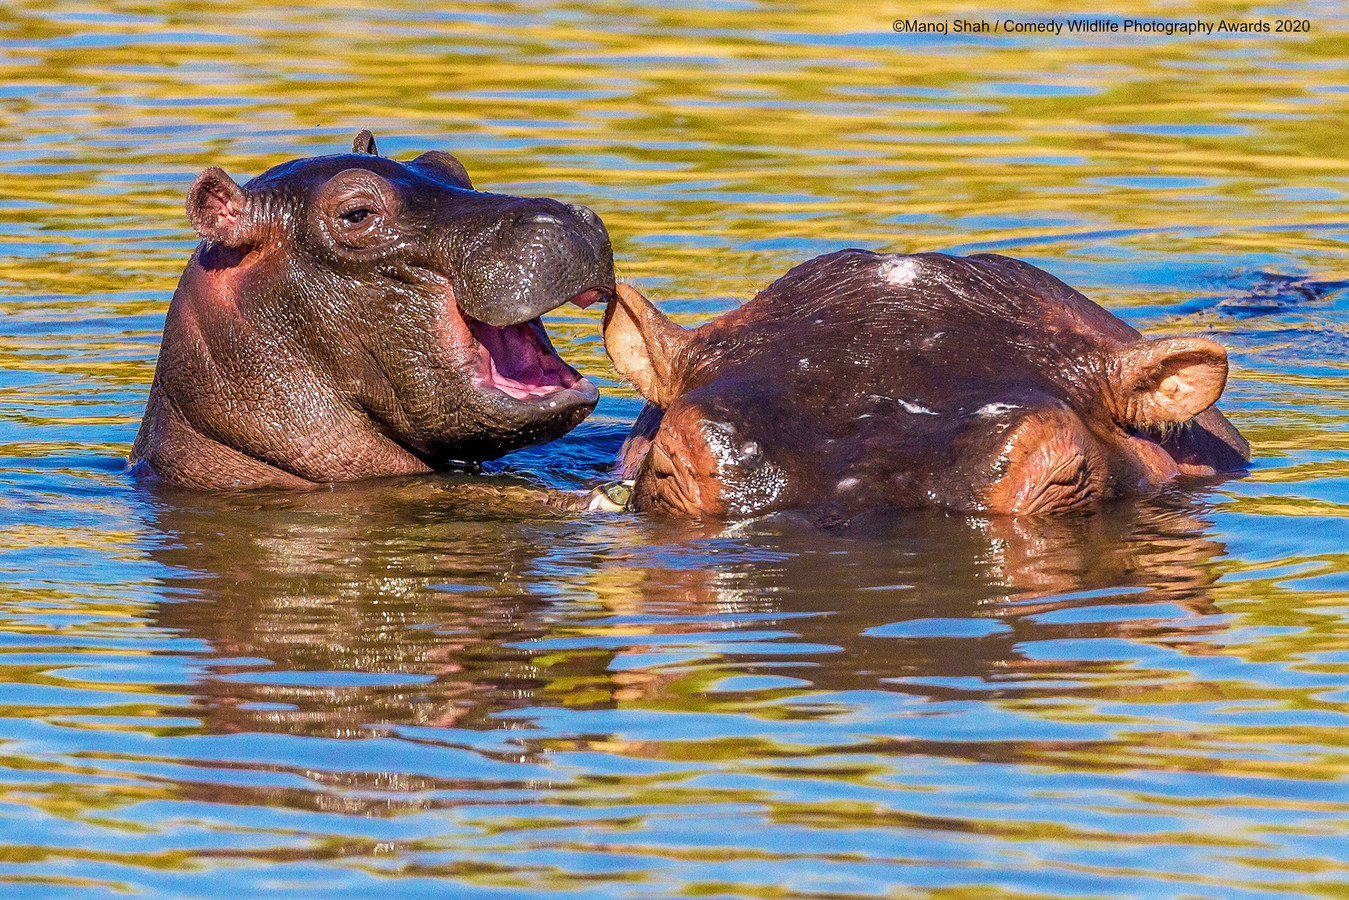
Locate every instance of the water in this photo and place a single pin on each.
(386, 690)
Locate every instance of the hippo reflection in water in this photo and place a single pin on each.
(863, 381)
(461, 600)
(350, 316)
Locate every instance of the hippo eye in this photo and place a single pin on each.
(355, 216)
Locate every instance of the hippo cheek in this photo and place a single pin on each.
(1048, 462)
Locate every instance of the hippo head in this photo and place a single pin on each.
(350, 316)
(860, 380)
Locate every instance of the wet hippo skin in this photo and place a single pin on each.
(351, 316)
(864, 381)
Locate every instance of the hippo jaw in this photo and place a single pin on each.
(509, 371)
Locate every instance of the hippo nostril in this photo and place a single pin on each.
(584, 213)
(543, 219)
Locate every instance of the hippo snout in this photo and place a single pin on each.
(548, 253)
(585, 214)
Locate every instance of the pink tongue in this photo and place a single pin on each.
(587, 298)
(517, 364)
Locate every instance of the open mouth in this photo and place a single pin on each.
(1165, 451)
(519, 361)
(1179, 442)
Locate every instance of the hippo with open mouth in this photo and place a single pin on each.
(352, 316)
(862, 381)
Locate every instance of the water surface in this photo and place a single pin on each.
(389, 690)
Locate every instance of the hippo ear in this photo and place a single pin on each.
(644, 344)
(1170, 380)
(445, 166)
(217, 208)
(364, 144)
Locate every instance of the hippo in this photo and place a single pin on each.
(862, 381)
(351, 316)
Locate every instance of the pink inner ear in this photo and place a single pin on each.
(221, 208)
(1170, 380)
(218, 208)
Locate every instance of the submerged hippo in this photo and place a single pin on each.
(350, 316)
(863, 381)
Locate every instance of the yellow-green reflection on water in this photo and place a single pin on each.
(396, 690)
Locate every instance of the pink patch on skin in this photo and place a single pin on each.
(228, 213)
(900, 272)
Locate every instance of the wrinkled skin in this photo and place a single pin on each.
(351, 316)
(865, 381)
